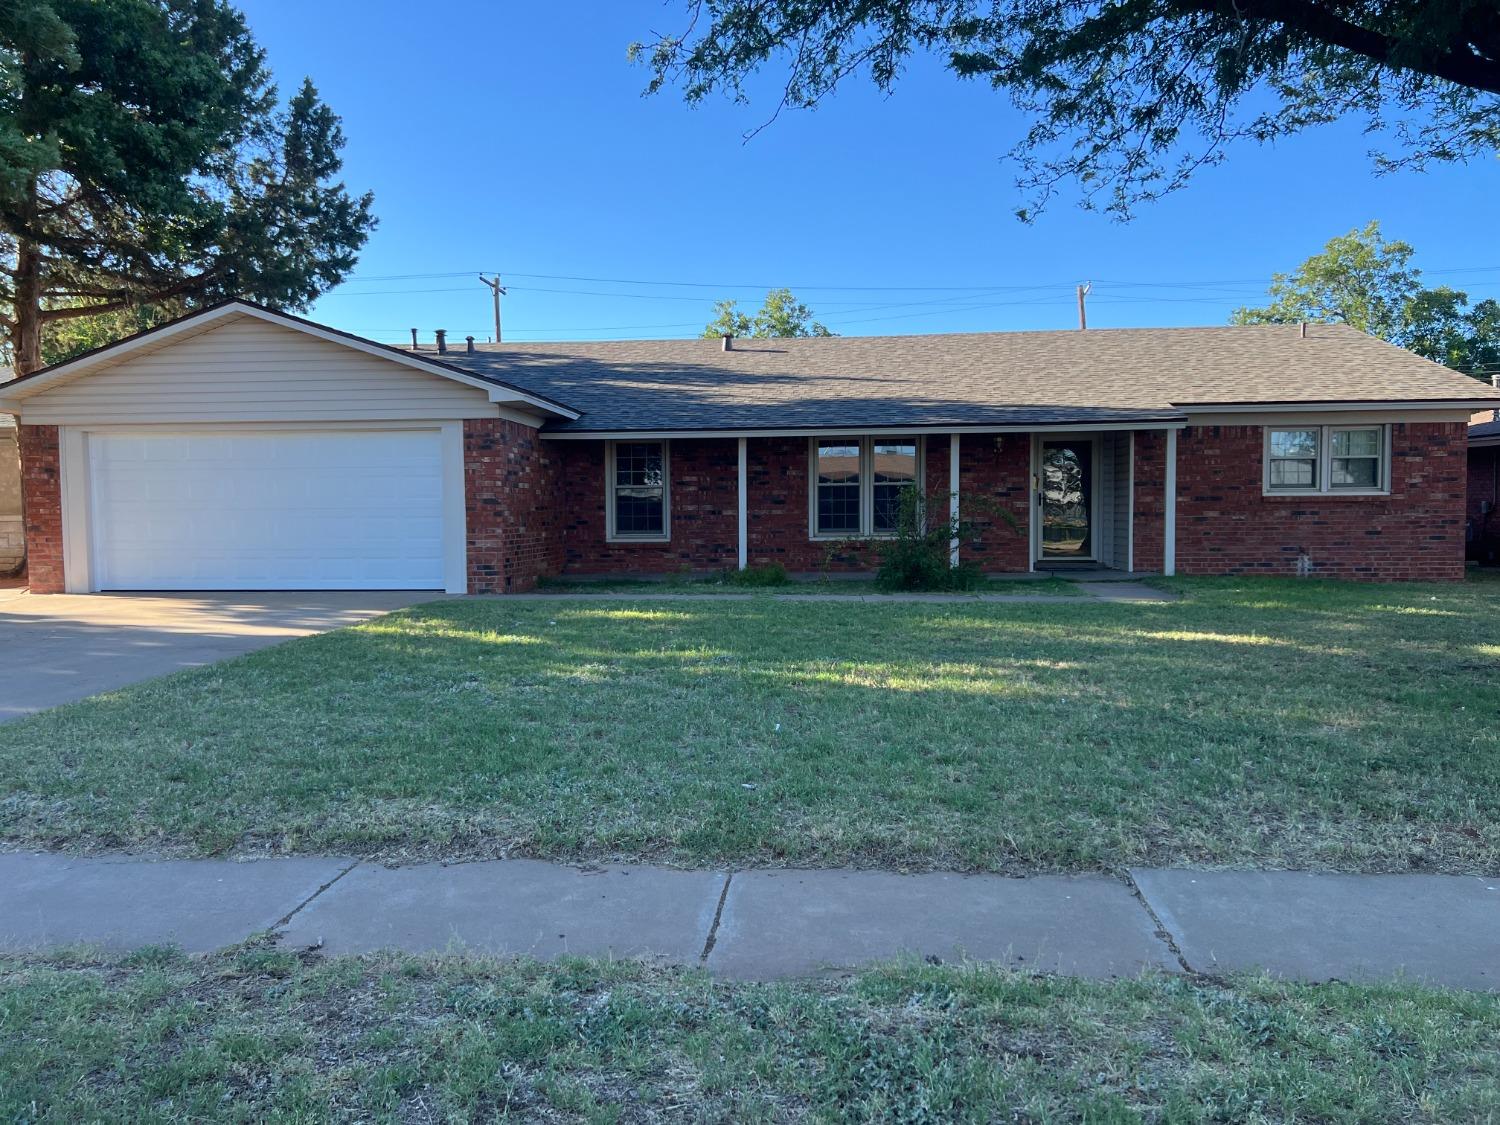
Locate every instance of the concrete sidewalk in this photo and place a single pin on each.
(762, 925)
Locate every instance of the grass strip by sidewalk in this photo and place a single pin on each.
(1257, 724)
(257, 1034)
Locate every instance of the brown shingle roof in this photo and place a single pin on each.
(1132, 374)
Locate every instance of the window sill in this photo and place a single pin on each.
(856, 537)
(1332, 494)
(625, 540)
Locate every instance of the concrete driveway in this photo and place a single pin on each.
(61, 647)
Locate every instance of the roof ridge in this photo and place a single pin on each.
(1182, 329)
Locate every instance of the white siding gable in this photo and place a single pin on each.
(248, 370)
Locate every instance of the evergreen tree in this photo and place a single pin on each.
(147, 166)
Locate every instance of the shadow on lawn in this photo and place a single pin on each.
(970, 736)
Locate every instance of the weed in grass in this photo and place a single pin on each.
(87, 1039)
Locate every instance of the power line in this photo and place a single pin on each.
(978, 288)
(804, 288)
(962, 299)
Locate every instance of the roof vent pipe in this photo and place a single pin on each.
(413, 339)
(728, 339)
(469, 342)
(442, 341)
(1302, 329)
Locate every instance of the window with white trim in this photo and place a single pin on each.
(637, 501)
(858, 484)
(1303, 459)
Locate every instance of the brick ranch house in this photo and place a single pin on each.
(240, 448)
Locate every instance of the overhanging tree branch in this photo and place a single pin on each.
(1130, 97)
(1457, 64)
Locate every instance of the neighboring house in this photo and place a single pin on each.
(239, 448)
(1484, 485)
(12, 539)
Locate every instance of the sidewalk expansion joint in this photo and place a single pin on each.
(713, 929)
(1164, 934)
(294, 911)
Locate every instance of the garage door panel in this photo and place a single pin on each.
(314, 510)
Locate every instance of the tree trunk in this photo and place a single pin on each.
(26, 337)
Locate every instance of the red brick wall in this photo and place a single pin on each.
(1484, 528)
(518, 529)
(995, 472)
(703, 494)
(1226, 526)
(1151, 499)
(704, 499)
(511, 494)
(776, 515)
(41, 508)
(777, 518)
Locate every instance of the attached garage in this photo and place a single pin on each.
(287, 510)
(240, 449)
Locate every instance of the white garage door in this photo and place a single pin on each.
(326, 510)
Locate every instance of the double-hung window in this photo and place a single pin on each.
(840, 488)
(1327, 459)
(858, 484)
(637, 491)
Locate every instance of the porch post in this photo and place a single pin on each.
(1169, 548)
(953, 498)
(743, 507)
(1130, 507)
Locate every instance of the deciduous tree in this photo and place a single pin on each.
(1367, 281)
(782, 316)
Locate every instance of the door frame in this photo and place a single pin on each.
(1093, 438)
(75, 469)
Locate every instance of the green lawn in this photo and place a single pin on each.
(260, 1035)
(727, 583)
(1253, 723)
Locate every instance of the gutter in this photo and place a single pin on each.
(1177, 423)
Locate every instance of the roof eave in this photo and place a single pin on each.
(499, 392)
(1062, 425)
(1243, 406)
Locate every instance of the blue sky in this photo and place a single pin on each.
(513, 137)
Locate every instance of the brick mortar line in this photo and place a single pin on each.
(713, 929)
(282, 922)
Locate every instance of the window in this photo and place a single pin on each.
(637, 490)
(838, 488)
(893, 470)
(858, 484)
(1326, 459)
(1356, 459)
(1294, 459)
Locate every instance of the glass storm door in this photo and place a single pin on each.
(1067, 482)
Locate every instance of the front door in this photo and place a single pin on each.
(1067, 499)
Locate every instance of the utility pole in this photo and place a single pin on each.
(497, 290)
(1083, 318)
